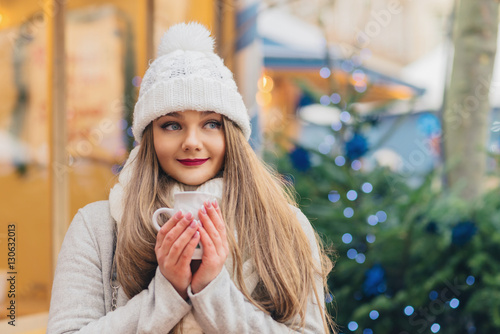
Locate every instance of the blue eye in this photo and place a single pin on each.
(171, 126)
(213, 125)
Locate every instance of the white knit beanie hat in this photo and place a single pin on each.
(188, 75)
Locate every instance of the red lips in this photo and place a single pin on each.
(192, 162)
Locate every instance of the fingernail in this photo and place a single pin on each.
(178, 215)
(193, 224)
(196, 234)
(216, 205)
(189, 215)
(203, 210)
(208, 204)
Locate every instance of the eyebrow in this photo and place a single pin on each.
(177, 114)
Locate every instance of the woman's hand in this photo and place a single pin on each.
(175, 245)
(215, 246)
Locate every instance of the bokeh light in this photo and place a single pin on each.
(324, 100)
(347, 238)
(409, 310)
(356, 165)
(353, 325)
(136, 81)
(352, 195)
(324, 148)
(370, 238)
(345, 116)
(435, 328)
(325, 72)
(336, 126)
(122, 124)
(454, 303)
(129, 132)
(352, 253)
(265, 84)
(367, 187)
(335, 98)
(360, 88)
(333, 196)
(360, 258)
(374, 314)
(348, 212)
(382, 216)
(340, 161)
(372, 220)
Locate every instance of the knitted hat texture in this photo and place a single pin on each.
(188, 75)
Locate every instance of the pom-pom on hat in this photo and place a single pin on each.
(188, 75)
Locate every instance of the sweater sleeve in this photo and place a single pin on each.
(221, 307)
(79, 293)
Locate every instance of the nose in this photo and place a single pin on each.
(192, 141)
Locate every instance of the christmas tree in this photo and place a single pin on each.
(409, 258)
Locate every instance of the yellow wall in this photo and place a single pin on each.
(25, 197)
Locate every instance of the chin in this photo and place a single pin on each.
(195, 182)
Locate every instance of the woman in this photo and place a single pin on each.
(262, 269)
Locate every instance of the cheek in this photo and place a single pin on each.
(162, 150)
(221, 147)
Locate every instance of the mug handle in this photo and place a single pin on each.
(168, 211)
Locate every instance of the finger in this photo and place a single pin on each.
(180, 244)
(167, 227)
(216, 217)
(217, 208)
(207, 216)
(173, 221)
(175, 232)
(187, 254)
(220, 225)
(207, 243)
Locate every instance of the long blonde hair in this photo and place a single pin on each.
(256, 206)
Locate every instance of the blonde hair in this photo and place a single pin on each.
(256, 207)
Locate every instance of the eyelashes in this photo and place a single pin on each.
(216, 123)
(169, 125)
(174, 126)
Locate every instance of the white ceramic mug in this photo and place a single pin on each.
(187, 201)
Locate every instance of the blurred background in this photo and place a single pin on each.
(383, 114)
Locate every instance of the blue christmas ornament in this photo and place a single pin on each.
(305, 100)
(356, 147)
(374, 283)
(300, 159)
(463, 232)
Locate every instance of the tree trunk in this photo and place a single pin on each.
(467, 108)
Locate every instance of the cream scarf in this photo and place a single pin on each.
(213, 186)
